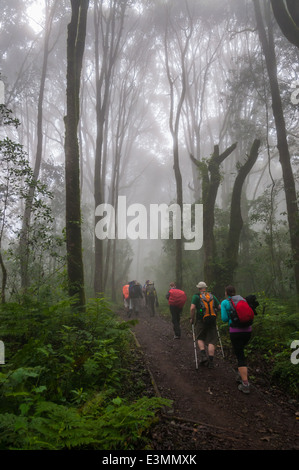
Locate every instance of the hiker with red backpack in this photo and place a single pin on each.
(176, 300)
(236, 311)
(203, 312)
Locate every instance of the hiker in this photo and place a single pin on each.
(203, 312)
(239, 336)
(126, 297)
(144, 292)
(135, 294)
(176, 300)
(151, 297)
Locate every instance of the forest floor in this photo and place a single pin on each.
(208, 411)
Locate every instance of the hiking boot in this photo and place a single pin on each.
(211, 365)
(244, 388)
(203, 358)
(176, 337)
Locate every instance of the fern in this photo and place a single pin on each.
(63, 386)
(58, 427)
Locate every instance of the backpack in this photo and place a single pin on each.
(241, 313)
(135, 290)
(252, 302)
(207, 312)
(150, 290)
(177, 298)
(126, 291)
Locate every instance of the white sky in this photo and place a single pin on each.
(35, 13)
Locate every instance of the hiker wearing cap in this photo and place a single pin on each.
(203, 312)
(151, 297)
(176, 300)
(239, 335)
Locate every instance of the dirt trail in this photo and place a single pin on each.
(208, 410)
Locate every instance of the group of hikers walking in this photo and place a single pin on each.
(235, 310)
(134, 295)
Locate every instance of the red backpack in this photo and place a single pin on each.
(177, 298)
(241, 314)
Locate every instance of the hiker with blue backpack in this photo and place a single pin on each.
(236, 311)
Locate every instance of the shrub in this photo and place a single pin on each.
(66, 382)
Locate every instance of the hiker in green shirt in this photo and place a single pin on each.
(203, 311)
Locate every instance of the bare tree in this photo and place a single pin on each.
(24, 237)
(178, 85)
(204, 47)
(108, 29)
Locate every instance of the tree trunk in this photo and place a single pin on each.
(4, 278)
(211, 178)
(75, 51)
(267, 43)
(236, 220)
(287, 17)
(179, 200)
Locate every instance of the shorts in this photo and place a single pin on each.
(208, 334)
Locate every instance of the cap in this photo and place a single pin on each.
(201, 285)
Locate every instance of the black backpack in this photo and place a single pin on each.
(135, 290)
(252, 302)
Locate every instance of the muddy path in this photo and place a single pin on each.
(208, 410)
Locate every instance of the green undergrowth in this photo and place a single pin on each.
(68, 381)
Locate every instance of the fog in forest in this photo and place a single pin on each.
(175, 107)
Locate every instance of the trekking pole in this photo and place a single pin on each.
(194, 341)
(220, 340)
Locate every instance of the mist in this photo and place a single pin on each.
(176, 107)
